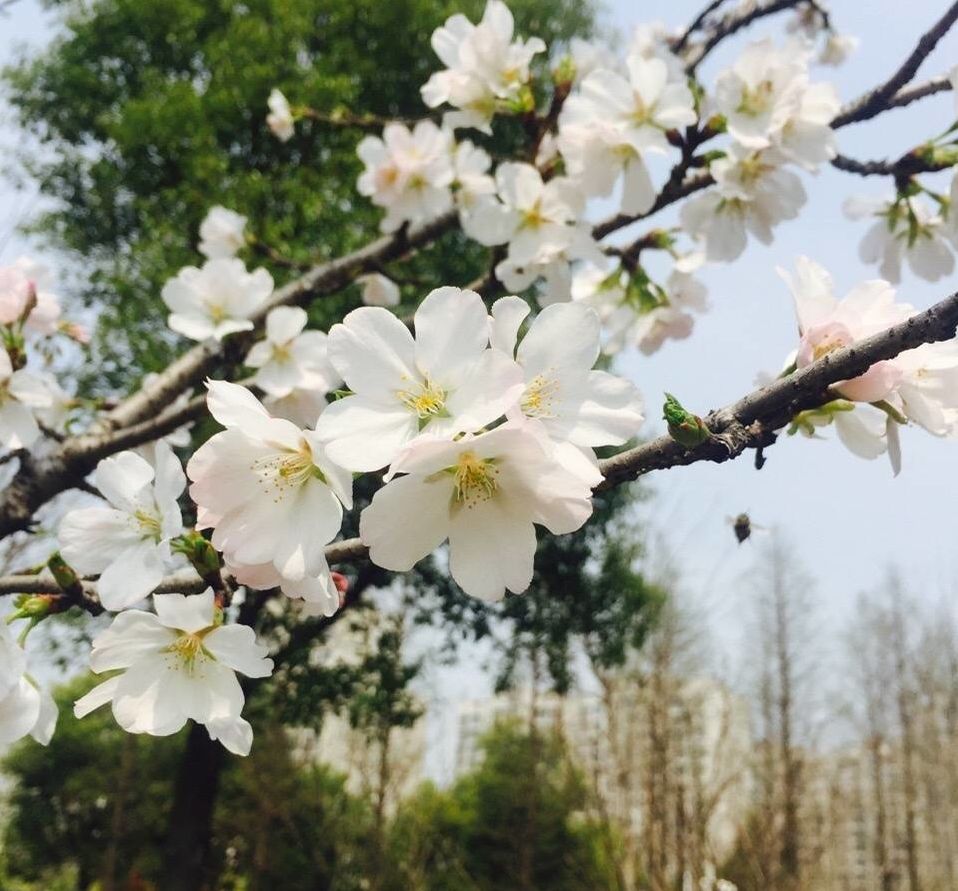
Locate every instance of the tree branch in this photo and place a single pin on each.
(876, 101)
(750, 423)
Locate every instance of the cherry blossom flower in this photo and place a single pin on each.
(612, 121)
(25, 708)
(638, 312)
(21, 394)
(444, 382)
(762, 91)
(24, 299)
(484, 494)
(280, 118)
(320, 595)
(574, 403)
(291, 358)
(408, 173)
(266, 488)
(807, 138)
(904, 228)
(536, 218)
(176, 665)
(128, 541)
(485, 67)
(651, 41)
(753, 193)
(827, 324)
(222, 233)
(472, 179)
(837, 49)
(377, 290)
(216, 299)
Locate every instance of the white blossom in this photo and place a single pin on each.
(443, 382)
(536, 218)
(176, 665)
(290, 358)
(266, 488)
(485, 66)
(378, 290)
(753, 193)
(607, 126)
(217, 299)
(222, 233)
(837, 49)
(408, 173)
(21, 395)
(127, 542)
(484, 494)
(904, 229)
(25, 708)
(280, 118)
(25, 300)
(574, 403)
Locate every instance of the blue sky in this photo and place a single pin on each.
(848, 518)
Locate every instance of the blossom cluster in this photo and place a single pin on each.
(480, 423)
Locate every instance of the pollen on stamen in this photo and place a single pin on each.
(539, 398)
(427, 399)
(476, 480)
(285, 472)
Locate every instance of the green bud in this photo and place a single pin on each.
(64, 574)
(564, 73)
(201, 554)
(685, 428)
(34, 607)
(806, 422)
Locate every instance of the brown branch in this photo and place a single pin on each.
(876, 101)
(750, 423)
(730, 24)
(695, 25)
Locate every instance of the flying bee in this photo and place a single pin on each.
(743, 527)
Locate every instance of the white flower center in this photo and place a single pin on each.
(476, 480)
(285, 472)
(539, 398)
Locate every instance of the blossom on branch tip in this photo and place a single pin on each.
(378, 290)
(408, 173)
(25, 299)
(484, 494)
(25, 708)
(486, 69)
(127, 542)
(22, 394)
(217, 299)
(441, 383)
(222, 233)
(280, 118)
(290, 358)
(176, 665)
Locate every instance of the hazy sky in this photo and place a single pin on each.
(848, 518)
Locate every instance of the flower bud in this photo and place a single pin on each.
(685, 428)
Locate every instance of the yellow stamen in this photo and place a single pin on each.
(149, 524)
(539, 396)
(285, 472)
(187, 648)
(476, 479)
(427, 400)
